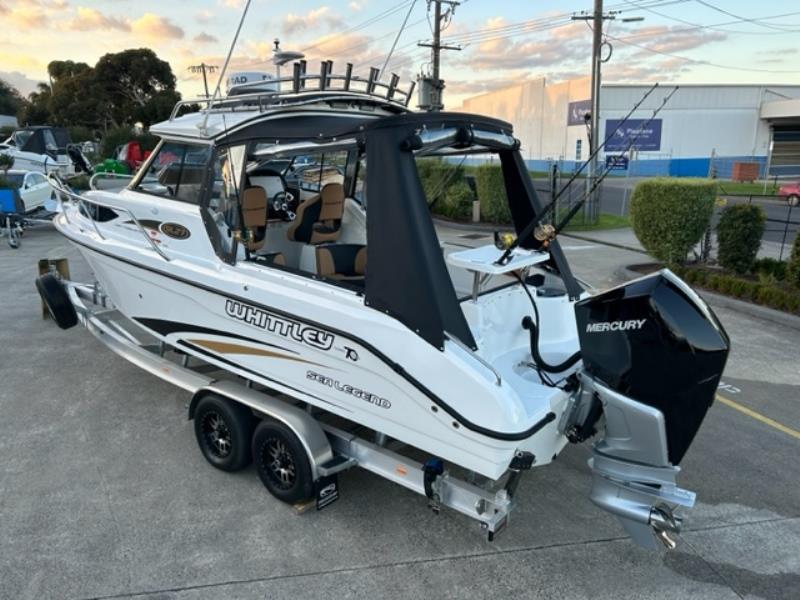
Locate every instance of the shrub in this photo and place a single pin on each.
(669, 216)
(770, 269)
(457, 202)
(492, 193)
(79, 133)
(739, 235)
(793, 267)
(6, 163)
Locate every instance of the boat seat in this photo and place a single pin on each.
(319, 219)
(271, 259)
(254, 215)
(344, 262)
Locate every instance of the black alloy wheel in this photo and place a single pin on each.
(282, 462)
(223, 429)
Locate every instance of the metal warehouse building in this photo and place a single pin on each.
(703, 129)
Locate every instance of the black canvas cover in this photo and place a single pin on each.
(524, 203)
(406, 276)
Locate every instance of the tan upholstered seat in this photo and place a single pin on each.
(346, 262)
(319, 219)
(254, 214)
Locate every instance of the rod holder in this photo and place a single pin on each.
(392, 86)
(373, 78)
(303, 66)
(296, 77)
(410, 92)
(323, 75)
(348, 74)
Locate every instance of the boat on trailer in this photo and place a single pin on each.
(283, 240)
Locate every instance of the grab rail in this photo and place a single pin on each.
(474, 355)
(389, 93)
(58, 186)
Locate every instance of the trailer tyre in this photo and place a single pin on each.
(223, 429)
(55, 297)
(282, 462)
(793, 200)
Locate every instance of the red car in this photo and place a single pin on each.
(790, 191)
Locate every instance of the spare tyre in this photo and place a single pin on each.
(55, 297)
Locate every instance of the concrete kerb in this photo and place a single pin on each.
(747, 308)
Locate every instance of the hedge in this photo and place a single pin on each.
(492, 194)
(669, 216)
(768, 294)
(739, 233)
(793, 267)
(446, 188)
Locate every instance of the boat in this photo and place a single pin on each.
(46, 150)
(344, 333)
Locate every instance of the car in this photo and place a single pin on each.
(34, 190)
(791, 192)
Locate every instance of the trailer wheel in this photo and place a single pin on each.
(282, 462)
(57, 301)
(223, 429)
(793, 200)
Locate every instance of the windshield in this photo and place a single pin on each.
(21, 137)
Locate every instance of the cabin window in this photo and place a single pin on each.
(177, 171)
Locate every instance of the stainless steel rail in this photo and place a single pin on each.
(370, 89)
(62, 192)
(105, 175)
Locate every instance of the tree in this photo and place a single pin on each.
(6, 163)
(10, 100)
(137, 83)
(36, 109)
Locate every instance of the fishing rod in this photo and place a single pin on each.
(574, 210)
(530, 227)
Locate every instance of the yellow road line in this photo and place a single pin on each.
(759, 417)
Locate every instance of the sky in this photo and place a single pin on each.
(502, 42)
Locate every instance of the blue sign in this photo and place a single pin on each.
(616, 162)
(577, 110)
(619, 137)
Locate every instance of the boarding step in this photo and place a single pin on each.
(337, 464)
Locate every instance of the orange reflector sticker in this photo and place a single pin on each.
(401, 470)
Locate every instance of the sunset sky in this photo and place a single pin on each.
(503, 41)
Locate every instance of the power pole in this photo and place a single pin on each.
(431, 87)
(202, 67)
(597, 17)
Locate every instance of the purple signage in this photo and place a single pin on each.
(619, 136)
(577, 110)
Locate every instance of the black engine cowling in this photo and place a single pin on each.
(656, 341)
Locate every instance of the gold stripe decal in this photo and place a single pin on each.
(231, 348)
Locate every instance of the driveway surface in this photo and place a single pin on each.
(103, 493)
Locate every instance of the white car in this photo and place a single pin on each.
(33, 188)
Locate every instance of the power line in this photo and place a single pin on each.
(371, 21)
(700, 62)
(396, 39)
(717, 26)
(755, 21)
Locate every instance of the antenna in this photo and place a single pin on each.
(202, 126)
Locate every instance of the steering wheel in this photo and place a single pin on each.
(280, 204)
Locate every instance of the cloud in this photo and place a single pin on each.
(670, 40)
(567, 44)
(357, 6)
(26, 17)
(89, 19)
(204, 38)
(232, 3)
(156, 28)
(24, 84)
(313, 19)
(203, 16)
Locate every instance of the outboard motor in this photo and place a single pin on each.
(653, 354)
